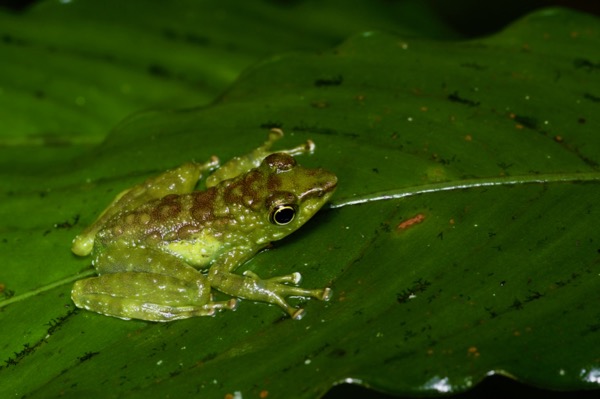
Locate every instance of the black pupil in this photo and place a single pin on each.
(284, 215)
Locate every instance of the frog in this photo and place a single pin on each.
(163, 247)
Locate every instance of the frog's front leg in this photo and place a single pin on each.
(272, 290)
(180, 180)
(145, 284)
(242, 164)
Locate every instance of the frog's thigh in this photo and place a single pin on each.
(145, 296)
(119, 257)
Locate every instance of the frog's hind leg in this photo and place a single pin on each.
(141, 283)
(145, 296)
(120, 257)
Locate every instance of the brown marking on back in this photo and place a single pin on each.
(130, 218)
(246, 190)
(251, 188)
(167, 208)
(203, 204)
(233, 192)
(274, 183)
(143, 218)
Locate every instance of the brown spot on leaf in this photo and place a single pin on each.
(419, 218)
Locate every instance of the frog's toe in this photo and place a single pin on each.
(232, 304)
(298, 314)
(326, 294)
(296, 278)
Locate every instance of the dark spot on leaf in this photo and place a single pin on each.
(17, 5)
(87, 356)
(159, 71)
(337, 352)
(385, 227)
(533, 295)
(7, 293)
(419, 286)
(586, 64)
(329, 81)
(67, 224)
(27, 350)
(10, 362)
(491, 312)
(9, 39)
(526, 121)
(504, 166)
(581, 120)
(456, 98)
(315, 129)
(591, 97)
(517, 305)
(271, 125)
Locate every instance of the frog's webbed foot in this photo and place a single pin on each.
(276, 289)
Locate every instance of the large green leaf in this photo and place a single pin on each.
(103, 60)
(462, 240)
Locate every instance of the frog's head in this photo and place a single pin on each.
(290, 195)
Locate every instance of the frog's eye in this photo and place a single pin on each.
(282, 214)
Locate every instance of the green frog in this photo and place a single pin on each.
(161, 247)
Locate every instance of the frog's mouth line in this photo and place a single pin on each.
(323, 190)
(318, 193)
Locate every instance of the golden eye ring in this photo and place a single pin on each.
(282, 214)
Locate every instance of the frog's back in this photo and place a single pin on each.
(171, 218)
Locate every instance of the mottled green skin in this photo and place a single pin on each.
(150, 243)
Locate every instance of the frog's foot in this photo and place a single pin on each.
(276, 289)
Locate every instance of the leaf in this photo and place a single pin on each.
(461, 242)
(103, 60)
